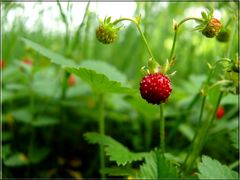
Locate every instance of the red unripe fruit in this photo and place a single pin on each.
(2, 64)
(220, 112)
(27, 61)
(71, 80)
(212, 29)
(155, 88)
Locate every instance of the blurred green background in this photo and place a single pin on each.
(53, 145)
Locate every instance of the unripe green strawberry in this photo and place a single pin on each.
(212, 28)
(223, 36)
(155, 88)
(106, 33)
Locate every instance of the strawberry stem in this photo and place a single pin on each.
(137, 23)
(102, 132)
(162, 128)
(176, 27)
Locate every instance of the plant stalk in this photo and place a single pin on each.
(102, 132)
(162, 128)
(140, 31)
(176, 28)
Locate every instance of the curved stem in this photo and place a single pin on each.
(140, 31)
(162, 128)
(189, 18)
(175, 35)
(102, 132)
(173, 47)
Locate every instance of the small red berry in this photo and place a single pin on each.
(220, 112)
(27, 61)
(155, 88)
(2, 64)
(213, 27)
(71, 80)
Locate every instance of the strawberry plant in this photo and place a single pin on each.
(152, 99)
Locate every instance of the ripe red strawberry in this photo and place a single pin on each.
(155, 88)
(71, 80)
(213, 27)
(220, 112)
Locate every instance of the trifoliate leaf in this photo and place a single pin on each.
(157, 167)
(115, 150)
(213, 169)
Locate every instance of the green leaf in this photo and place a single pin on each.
(99, 82)
(5, 151)
(234, 135)
(22, 115)
(116, 151)
(54, 57)
(18, 159)
(108, 70)
(38, 154)
(213, 169)
(118, 171)
(187, 131)
(148, 110)
(157, 167)
(45, 121)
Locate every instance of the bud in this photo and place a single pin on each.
(223, 36)
(106, 33)
(212, 28)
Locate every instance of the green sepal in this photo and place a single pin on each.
(153, 66)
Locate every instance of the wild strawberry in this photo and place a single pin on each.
(212, 28)
(2, 64)
(71, 80)
(155, 88)
(27, 61)
(106, 33)
(220, 112)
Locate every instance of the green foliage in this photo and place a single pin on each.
(234, 135)
(118, 171)
(99, 82)
(115, 150)
(54, 57)
(213, 169)
(17, 159)
(156, 166)
(38, 154)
